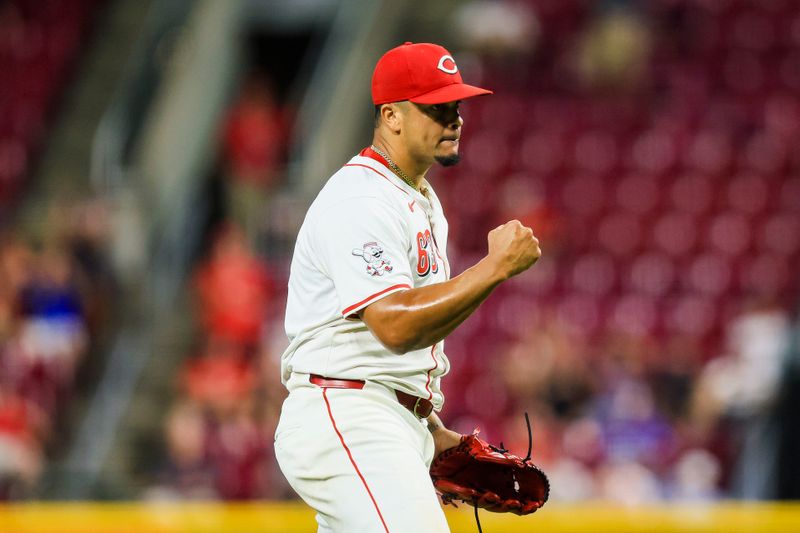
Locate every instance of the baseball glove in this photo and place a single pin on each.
(489, 477)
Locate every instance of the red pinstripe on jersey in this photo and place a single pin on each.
(435, 366)
(352, 461)
(356, 305)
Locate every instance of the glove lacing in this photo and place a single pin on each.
(503, 450)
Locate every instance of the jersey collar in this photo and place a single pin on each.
(372, 154)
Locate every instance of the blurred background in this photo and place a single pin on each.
(157, 158)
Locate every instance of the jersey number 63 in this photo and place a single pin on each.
(426, 254)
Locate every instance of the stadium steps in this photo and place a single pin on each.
(64, 166)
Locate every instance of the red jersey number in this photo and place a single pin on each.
(426, 255)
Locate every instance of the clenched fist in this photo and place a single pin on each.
(513, 248)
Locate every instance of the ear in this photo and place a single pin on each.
(392, 116)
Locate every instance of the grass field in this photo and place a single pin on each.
(296, 518)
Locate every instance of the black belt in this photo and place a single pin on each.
(420, 407)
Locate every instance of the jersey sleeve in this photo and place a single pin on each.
(363, 247)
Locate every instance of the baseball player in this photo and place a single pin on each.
(370, 302)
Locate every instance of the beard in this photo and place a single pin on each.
(448, 160)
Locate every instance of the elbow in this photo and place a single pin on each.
(397, 342)
(391, 328)
(397, 349)
(397, 346)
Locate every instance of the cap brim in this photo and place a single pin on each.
(449, 93)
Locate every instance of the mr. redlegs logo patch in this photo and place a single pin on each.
(372, 253)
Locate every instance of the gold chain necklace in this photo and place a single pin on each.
(397, 170)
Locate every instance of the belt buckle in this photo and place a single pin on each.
(416, 404)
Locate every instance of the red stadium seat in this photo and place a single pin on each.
(730, 233)
(583, 194)
(543, 281)
(675, 233)
(748, 193)
(781, 234)
(693, 193)
(542, 152)
(790, 195)
(652, 273)
(488, 152)
(579, 312)
(486, 395)
(634, 313)
(595, 151)
(767, 275)
(782, 115)
(620, 233)
(765, 153)
(593, 274)
(710, 274)
(743, 72)
(752, 30)
(690, 314)
(709, 152)
(654, 151)
(639, 193)
(789, 70)
(13, 164)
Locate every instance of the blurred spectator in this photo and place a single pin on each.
(216, 447)
(187, 473)
(238, 448)
(21, 454)
(633, 429)
(254, 152)
(571, 481)
(228, 399)
(549, 365)
(738, 390)
(672, 374)
(505, 28)
(221, 378)
(743, 382)
(45, 339)
(88, 238)
(628, 483)
(51, 307)
(696, 477)
(614, 51)
(234, 290)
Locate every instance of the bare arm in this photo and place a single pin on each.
(421, 317)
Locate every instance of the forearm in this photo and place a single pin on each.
(434, 423)
(421, 317)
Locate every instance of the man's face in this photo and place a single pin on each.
(432, 131)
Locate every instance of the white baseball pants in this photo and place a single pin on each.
(359, 458)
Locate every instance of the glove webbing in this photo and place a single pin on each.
(528, 456)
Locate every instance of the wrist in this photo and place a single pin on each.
(444, 439)
(490, 269)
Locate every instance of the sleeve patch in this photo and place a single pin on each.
(372, 254)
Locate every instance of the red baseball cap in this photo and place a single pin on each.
(423, 73)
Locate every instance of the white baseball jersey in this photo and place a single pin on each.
(367, 235)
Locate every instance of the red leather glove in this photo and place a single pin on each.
(488, 477)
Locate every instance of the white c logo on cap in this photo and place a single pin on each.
(441, 66)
